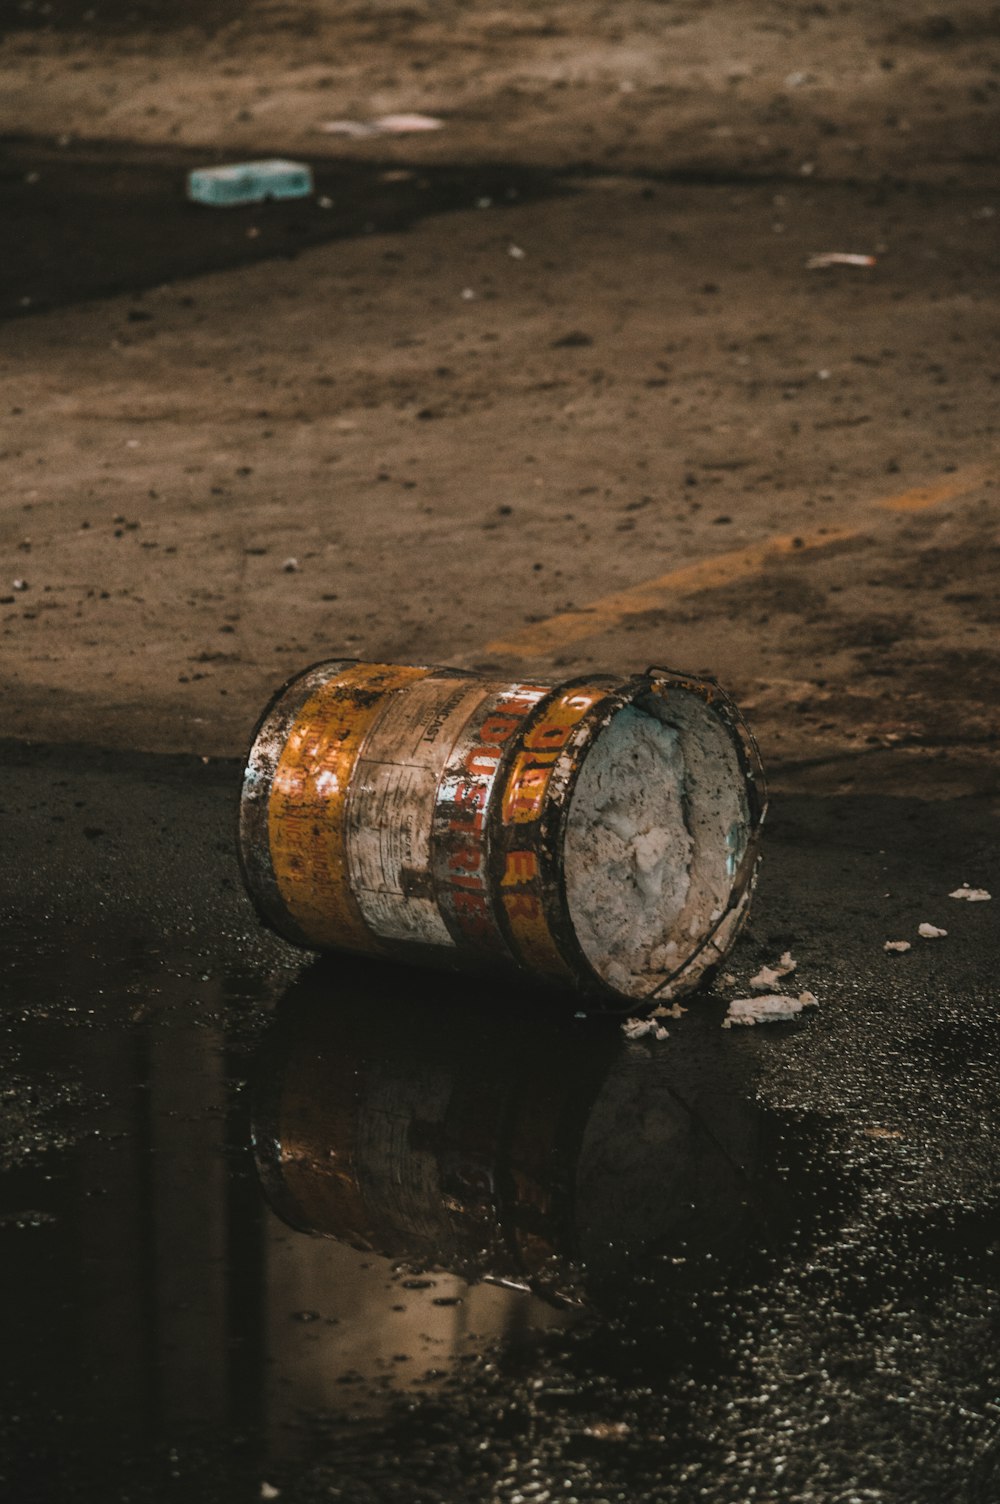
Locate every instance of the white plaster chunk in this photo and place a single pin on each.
(638, 1028)
(776, 1008)
(930, 932)
(769, 976)
(971, 895)
(897, 945)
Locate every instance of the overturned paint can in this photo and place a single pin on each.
(600, 833)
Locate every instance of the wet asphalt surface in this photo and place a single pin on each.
(739, 1265)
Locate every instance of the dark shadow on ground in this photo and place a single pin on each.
(110, 17)
(93, 220)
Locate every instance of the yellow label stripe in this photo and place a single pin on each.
(306, 811)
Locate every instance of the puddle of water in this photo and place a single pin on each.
(429, 1167)
(157, 1296)
(500, 1142)
(777, 1246)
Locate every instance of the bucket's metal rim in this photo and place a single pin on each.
(566, 772)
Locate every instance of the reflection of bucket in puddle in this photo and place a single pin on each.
(495, 1145)
(600, 833)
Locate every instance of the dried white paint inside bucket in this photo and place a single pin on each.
(657, 826)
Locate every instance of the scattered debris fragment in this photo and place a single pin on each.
(516, 252)
(268, 1491)
(637, 1028)
(384, 125)
(773, 1009)
(357, 130)
(608, 1430)
(408, 125)
(674, 1011)
(838, 258)
(20, 585)
(769, 976)
(931, 932)
(291, 566)
(897, 945)
(971, 895)
(249, 182)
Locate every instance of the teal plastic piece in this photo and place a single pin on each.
(250, 182)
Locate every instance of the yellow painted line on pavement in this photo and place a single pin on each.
(556, 632)
(921, 497)
(690, 579)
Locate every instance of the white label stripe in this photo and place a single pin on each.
(390, 812)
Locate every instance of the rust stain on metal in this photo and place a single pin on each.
(309, 791)
(463, 834)
(523, 885)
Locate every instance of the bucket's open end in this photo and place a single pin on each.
(658, 827)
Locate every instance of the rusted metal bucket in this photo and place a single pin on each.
(600, 833)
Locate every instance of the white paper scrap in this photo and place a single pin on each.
(838, 258)
(357, 130)
(385, 125)
(773, 1009)
(406, 125)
